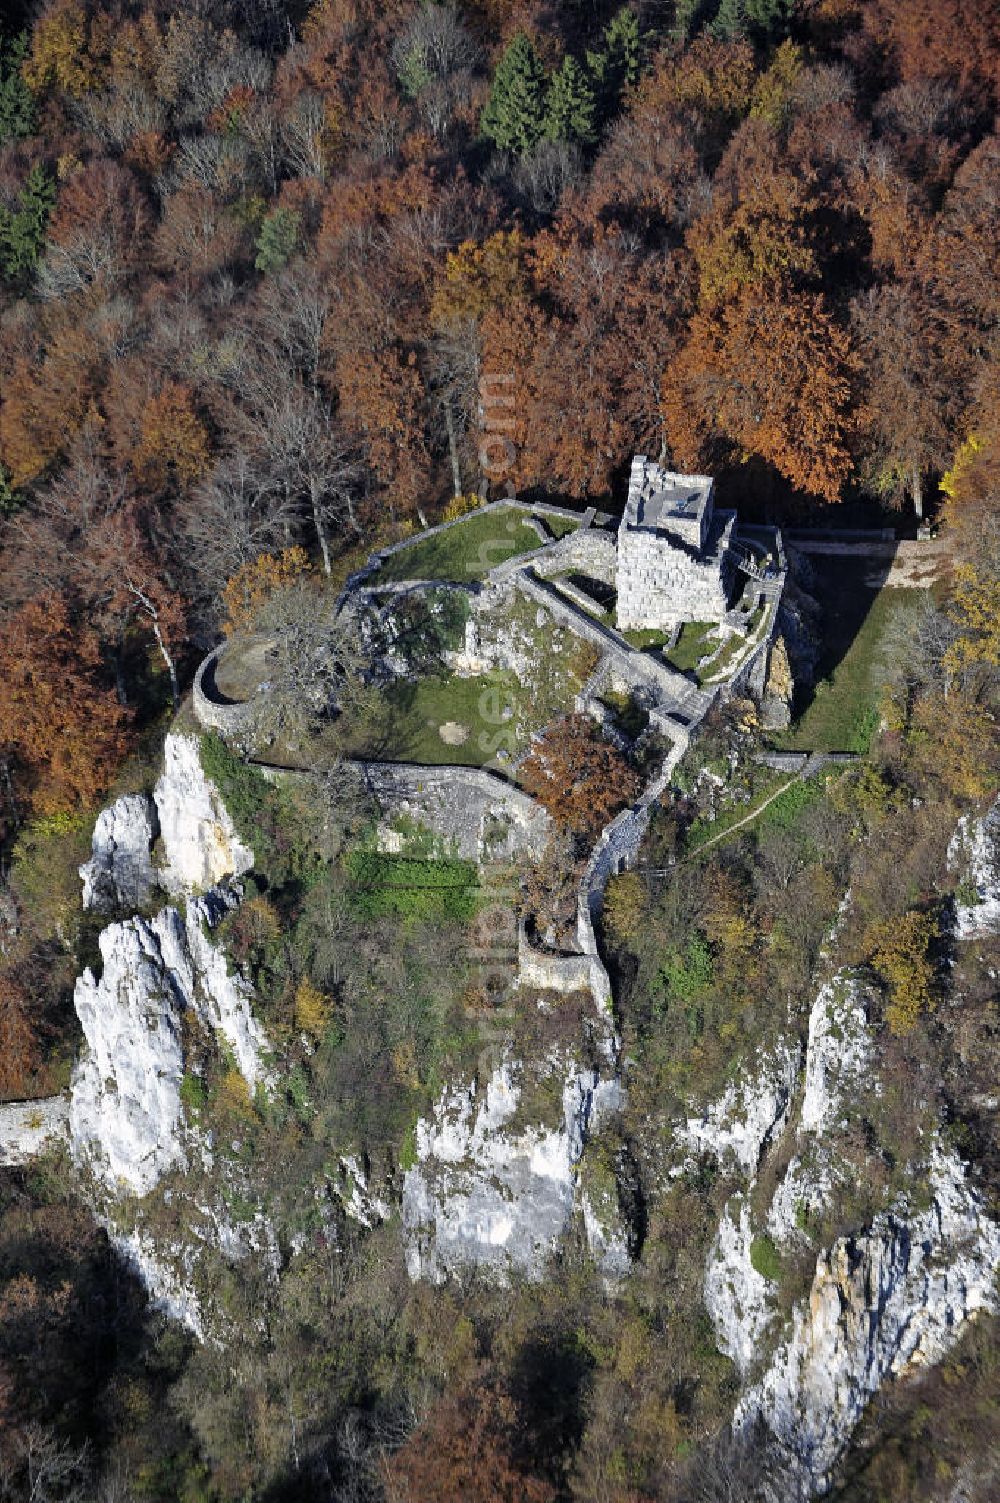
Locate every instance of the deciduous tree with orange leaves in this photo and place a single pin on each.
(579, 776)
(772, 377)
(464, 1453)
(65, 728)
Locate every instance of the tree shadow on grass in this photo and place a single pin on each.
(847, 591)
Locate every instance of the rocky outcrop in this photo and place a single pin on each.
(881, 1304)
(168, 1291)
(120, 871)
(487, 1194)
(974, 855)
(358, 1199)
(750, 1113)
(126, 1117)
(839, 1070)
(736, 1295)
(890, 1297)
(200, 843)
(838, 1053)
(222, 1000)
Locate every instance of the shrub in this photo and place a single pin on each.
(245, 791)
(232, 1097)
(626, 906)
(192, 1092)
(898, 951)
(312, 1009)
(411, 887)
(688, 973)
(459, 506)
(765, 1258)
(252, 586)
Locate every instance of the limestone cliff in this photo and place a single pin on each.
(974, 856)
(485, 1193)
(159, 976)
(200, 843)
(882, 1303)
(120, 871)
(893, 1295)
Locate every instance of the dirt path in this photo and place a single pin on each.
(747, 819)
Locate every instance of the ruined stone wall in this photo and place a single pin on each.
(589, 550)
(475, 809)
(552, 971)
(616, 850)
(660, 585)
(233, 721)
(629, 668)
(482, 817)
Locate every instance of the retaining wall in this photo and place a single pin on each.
(552, 971)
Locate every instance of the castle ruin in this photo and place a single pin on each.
(674, 558)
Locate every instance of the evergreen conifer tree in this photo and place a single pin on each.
(570, 107)
(514, 114)
(279, 234)
(617, 65)
(22, 232)
(17, 107)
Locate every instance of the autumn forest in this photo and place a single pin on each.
(283, 275)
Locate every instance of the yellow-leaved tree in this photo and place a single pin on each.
(252, 586)
(898, 950)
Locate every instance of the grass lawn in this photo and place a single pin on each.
(841, 712)
(413, 887)
(766, 783)
(469, 549)
(691, 646)
(559, 527)
(646, 638)
(479, 714)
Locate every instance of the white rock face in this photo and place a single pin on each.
(29, 1127)
(750, 1113)
(200, 844)
(887, 1299)
(166, 1288)
(974, 853)
(736, 1295)
(120, 873)
(358, 1200)
(221, 998)
(607, 1239)
(839, 1068)
(483, 1195)
(125, 1114)
(882, 1303)
(838, 1053)
(126, 1108)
